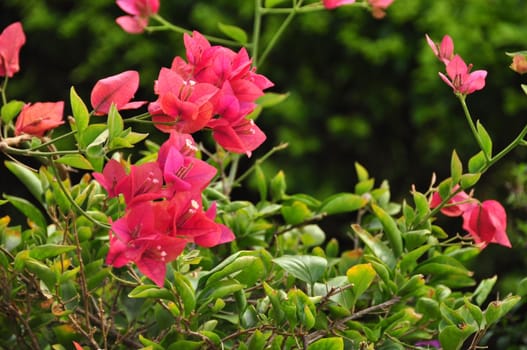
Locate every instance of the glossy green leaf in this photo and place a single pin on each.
(456, 168)
(312, 235)
(91, 133)
(468, 180)
(278, 186)
(391, 230)
(362, 173)
(307, 268)
(151, 291)
(79, 111)
(260, 181)
(332, 343)
(42, 271)
(218, 290)
(295, 213)
(29, 178)
(342, 203)
(483, 290)
(452, 337)
(49, 250)
(360, 276)
(377, 247)
(499, 308)
(484, 137)
(273, 3)
(364, 186)
(10, 110)
(186, 345)
(477, 162)
(409, 260)
(28, 209)
(271, 99)
(185, 292)
(234, 32)
(246, 269)
(257, 340)
(75, 161)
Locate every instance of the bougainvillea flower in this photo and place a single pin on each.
(242, 137)
(331, 4)
(378, 7)
(456, 206)
(139, 12)
(519, 64)
(487, 223)
(112, 175)
(35, 119)
(225, 236)
(143, 236)
(461, 79)
(443, 51)
(117, 89)
(11, 40)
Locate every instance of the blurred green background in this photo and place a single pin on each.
(360, 89)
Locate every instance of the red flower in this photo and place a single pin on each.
(242, 136)
(112, 175)
(456, 206)
(519, 64)
(331, 4)
(11, 40)
(139, 11)
(443, 51)
(378, 7)
(118, 89)
(487, 223)
(36, 119)
(461, 79)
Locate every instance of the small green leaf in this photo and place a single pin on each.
(273, 3)
(45, 251)
(391, 230)
(499, 308)
(271, 99)
(307, 268)
(115, 123)
(483, 290)
(30, 179)
(452, 337)
(524, 88)
(278, 186)
(10, 110)
(468, 180)
(42, 271)
(342, 203)
(332, 343)
(75, 161)
(377, 247)
(28, 209)
(486, 141)
(456, 168)
(151, 291)
(234, 32)
(362, 173)
(260, 181)
(360, 276)
(477, 162)
(79, 111)
(295, 213)
(185, 292)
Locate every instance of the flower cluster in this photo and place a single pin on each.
(458, 74)
(485, 221)
(216, 88)
(164, 211)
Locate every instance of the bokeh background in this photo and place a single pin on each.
(360, 89)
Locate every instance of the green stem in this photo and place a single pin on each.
(30, 153)
(52, 141)
(515, 143)
(166, 25)
(257, 28)
(258, 162)
(462, 99)
(276, 36)
(3, 89)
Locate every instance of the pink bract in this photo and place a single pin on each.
(487, 223)
(36, 119)
(456, 206)
(331, 4)
(443, 51)
(12, 39)
(139, 12)
(378, 7)
(117, 89)
(519, 64)
(461, 79)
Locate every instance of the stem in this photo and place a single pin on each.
(462, 99)
(29, 153)
(276, 36)
(3, 89)
(257, 27)
(258, 162)
(516, 142)
(166, 25)
(73, 132)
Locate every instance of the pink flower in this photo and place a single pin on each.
(118, 89)
(519, 64)
(378, 7)
(11, 40)
(331, 4)
(36, 119)
(461, 79)
(487, 223)
(143, 236)
(444, 51)
(242, 136)
(111, 177)
(139, 12)
(456, 206)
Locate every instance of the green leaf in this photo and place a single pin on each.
(30, 179)
(483, 290)
(75, 161)
(332, 343)
(409, 260)
(468, 180)
(10, 110)
(234, 32)
(362, 173)
(477, 162)
(391, 230)
(273, 3)
(452, 337)
(260, 181)
(306, 268)
(499, 308)
(524, 88)
(115, 123)
(79, 111)
(186, 345)
(185, 292)
(217, 290)
(28, 209)
(484, 137)
(271, 99)
(91, 134)
(342, 203)
(278, 186)
(244, 266)
(364, 186)
(360, 276)
(295, 213)
(377, 247)
(456, 168)
(151, 291)
(312, 235)
(45, 251)
(42, 271)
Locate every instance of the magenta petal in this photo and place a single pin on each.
(118, 89)
(132, 24)
(12, 39)
(153, 269)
